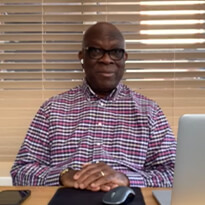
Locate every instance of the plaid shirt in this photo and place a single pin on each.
(125, 130)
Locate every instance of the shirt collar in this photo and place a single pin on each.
(89, 93)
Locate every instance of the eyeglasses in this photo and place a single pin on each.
(115, 54)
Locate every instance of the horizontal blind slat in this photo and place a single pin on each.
(128, 75)
(37, 18)
(55, 28)
(137, 83)
(63, 55)
(130, 46)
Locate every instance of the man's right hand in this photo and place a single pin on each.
(67, 178)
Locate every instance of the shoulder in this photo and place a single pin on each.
(141, 101)
(148, 108)
(63, 99)
(72, 93)
(144, 106)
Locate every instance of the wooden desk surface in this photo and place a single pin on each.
(42, 195)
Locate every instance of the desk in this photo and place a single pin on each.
(42, 195)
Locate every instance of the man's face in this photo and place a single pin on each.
(103, 74)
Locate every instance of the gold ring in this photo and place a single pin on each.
(102, 173)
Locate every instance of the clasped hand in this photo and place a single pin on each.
(95, 177)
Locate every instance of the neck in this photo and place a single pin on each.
(100, 94)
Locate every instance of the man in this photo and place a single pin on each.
(100, 134)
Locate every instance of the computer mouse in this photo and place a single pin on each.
(119, 195)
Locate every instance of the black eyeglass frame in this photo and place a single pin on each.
(103, 51)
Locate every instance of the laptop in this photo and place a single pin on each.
(189, 173)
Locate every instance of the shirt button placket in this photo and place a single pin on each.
(98, 140)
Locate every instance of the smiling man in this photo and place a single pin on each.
(100, 134)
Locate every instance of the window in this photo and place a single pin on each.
(40, 39)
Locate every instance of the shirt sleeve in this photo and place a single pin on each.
(32, 164)
(160, 160)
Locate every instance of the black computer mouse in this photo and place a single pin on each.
(119, 195)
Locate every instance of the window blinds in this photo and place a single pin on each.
(40, 39)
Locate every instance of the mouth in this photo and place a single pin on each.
(106, 74)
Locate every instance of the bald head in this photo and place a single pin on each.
(105, 29)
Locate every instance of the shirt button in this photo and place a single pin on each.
(100, 124)
(98, 144)
(102, 104)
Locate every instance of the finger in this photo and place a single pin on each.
(93, 189)
(86, 164)
(87, 168)
(95, 172)
(85, 180)
(105, 188)
(103, 180)
(108, 187)
(76, 185)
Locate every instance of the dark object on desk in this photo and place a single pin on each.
(70, 196)
(119, 195)
(13, 197)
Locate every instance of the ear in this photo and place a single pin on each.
(80, 56)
